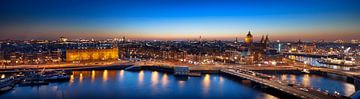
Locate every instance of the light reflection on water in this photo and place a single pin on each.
(141, 77)
(93, 74)
(142, 84)
(121, 74)
(81, 78)
(105, 75)
(206, 84)
(164, 80)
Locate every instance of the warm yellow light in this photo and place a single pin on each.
(2, 76)
(91, 54)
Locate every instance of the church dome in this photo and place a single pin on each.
(249, 38)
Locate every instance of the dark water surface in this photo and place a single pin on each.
(143, 84)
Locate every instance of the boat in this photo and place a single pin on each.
(305, 71)
(194, 74)
(33, 82)
(341, 62)
(7, 84)
(34, 79)
(58, 77)
(6, 88)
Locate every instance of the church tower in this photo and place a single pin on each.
(249, 38)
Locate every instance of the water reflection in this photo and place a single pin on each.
(283, 77)
(141, 77)
(206, 83)
(154, 78)
(71, 79)
(93, 74)
(81, 78)
(121, 74)
(181, 83)
(293, 78)
(105, 75)
(306, 80)
(221, 80)
(164, 80)
(90, 84)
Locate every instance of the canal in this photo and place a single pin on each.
(143, 84)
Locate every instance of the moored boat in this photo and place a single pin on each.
(7, 84)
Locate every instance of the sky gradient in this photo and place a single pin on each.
(180, 19)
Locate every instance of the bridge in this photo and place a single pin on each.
(351, 76)
(283, 87)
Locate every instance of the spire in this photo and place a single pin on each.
(262, 39)
(249, 34)
(267, 39)
(299, 42)
(123, 39)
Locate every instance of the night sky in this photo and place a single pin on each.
(180, 19)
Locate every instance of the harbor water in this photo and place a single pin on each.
(142, 84)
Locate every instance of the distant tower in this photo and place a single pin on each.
(124, 39)
(236, 40)
(248, 38)
(200, 38)
(266, 41)
(262, 39)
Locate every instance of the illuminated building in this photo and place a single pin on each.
(2, 59)
(257, 51)
(354, 41)
(63, 39)
(77, 55)
(248, 38)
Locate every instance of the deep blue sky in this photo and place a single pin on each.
(180, 19)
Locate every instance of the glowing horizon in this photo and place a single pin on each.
(181, 19)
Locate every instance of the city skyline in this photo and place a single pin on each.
(180, 19)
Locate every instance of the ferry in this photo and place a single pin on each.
(341, 62)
